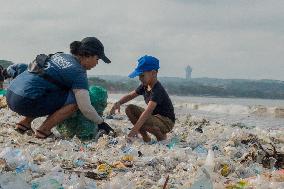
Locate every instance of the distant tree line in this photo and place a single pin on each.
(269, 89)
(5, 63)
(233, 88)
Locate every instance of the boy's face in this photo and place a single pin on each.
(147, 77)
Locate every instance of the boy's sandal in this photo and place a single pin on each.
(22, 129)
(45, 136)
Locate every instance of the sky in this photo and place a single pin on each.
(217, 38)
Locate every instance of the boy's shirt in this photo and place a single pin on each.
(159, 95)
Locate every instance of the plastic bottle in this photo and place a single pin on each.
(203, 181)
(48, 183)
(209, 163)
(79, 162)
(11, 180)
(22, 168)
(200, 150)
(130, 151)
(174, 141)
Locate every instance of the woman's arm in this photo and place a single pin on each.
(85, 106)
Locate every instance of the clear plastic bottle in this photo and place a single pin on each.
(203, 181)
(47, 183)
(174, 141)
(209, 163)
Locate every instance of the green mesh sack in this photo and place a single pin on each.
(78, 124)
(2, 92)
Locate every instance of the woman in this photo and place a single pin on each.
(60, 91)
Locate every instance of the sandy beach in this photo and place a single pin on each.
(197, 151)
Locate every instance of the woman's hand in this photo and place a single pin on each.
(116, 106)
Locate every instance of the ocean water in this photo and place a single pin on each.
(242, 111)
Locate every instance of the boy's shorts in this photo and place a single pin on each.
(165, 124)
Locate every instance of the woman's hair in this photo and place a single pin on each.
(77, 49)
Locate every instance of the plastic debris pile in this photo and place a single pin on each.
(3, 102)
(221, 156)
(80, 126)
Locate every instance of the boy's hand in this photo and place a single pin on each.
(133, 133)
(130, 139)
(116, 106)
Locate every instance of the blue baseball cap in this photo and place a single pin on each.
(145, 63)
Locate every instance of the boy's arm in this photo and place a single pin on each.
(127, 97)
(123, 100)
(144, 116)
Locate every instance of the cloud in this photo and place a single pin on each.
(226, 39)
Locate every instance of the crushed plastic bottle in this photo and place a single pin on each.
(12, 181)
(209, 163)
(119, 183)
(174, 141)
(215, 147)
(22, 168)
(203, 181)
(200, 149)
(113, 141)
(15, 159)
(130, 151)
(257, 168)
(49, 183)
(79, 162)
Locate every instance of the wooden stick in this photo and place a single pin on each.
(166, 182)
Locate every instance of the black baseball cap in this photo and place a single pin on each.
(94, 45)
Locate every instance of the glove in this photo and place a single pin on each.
(106, 127)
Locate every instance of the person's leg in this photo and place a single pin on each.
(133, 112)
(145, 136)
(156, 131)
(158, 125)
(56, 118)
(152, 125)
(25, 123)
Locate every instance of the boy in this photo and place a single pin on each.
(158, 118)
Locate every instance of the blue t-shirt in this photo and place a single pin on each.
(64, 68)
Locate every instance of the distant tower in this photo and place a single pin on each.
(188, 71)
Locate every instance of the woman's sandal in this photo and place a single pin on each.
(44, 134)
(23, 128)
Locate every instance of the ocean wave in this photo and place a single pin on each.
(232, 109)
